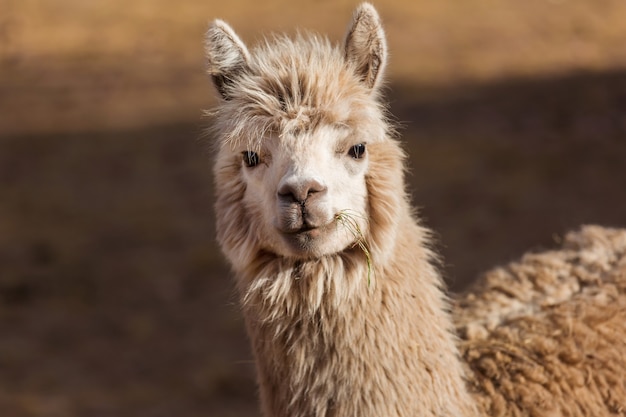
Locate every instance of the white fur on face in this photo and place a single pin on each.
(300, 105)
(302, 184)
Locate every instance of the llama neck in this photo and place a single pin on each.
(327, 343)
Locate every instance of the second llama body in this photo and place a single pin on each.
(345, 311)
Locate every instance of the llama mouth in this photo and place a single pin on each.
(301, 226)
(305, 230)
(304, 237)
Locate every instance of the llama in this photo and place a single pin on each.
(343, 304)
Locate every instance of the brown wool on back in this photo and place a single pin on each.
(343, 305)
(545, 335)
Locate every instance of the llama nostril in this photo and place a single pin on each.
(300, 191)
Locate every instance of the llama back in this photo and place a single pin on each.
(545, 335)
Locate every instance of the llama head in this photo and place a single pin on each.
(297, 125)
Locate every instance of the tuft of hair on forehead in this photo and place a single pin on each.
(294, 85)
(286, 85)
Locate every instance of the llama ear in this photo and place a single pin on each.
(227, 56)
(365, 45)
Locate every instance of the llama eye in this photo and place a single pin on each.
(250, 158)
(357, 151)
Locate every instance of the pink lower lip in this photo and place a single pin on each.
(312, 232)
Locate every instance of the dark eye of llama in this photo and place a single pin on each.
(357, 151)
(251, 159)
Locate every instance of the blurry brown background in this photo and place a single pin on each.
(114, 298)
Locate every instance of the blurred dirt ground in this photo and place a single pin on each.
(114, 298)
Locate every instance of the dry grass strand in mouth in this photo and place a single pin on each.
(348, 219)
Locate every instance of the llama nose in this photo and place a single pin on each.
(298, 190)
